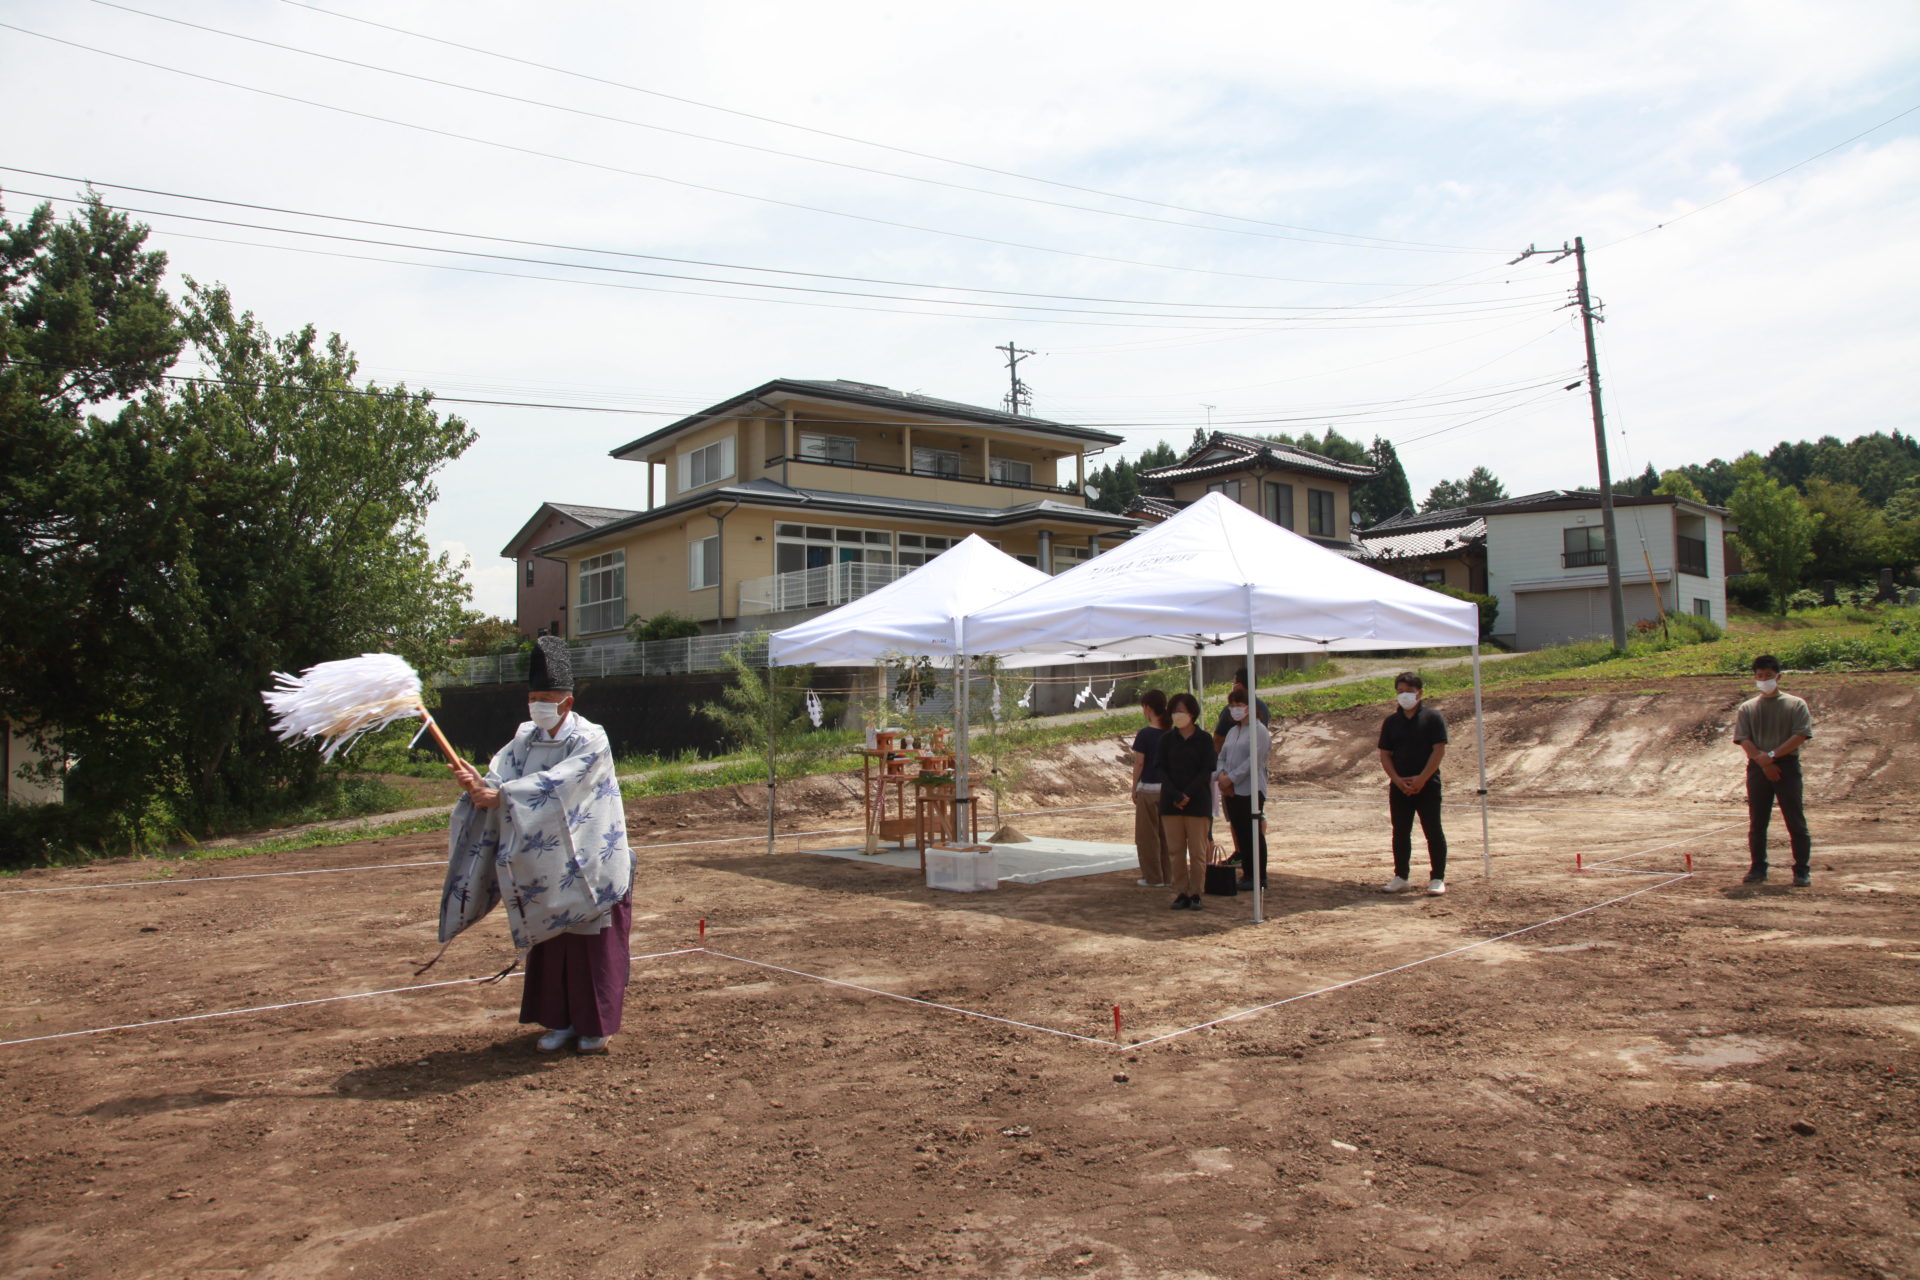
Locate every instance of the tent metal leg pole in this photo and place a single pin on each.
(962, 716)
(1257, 829)
(1480, 735)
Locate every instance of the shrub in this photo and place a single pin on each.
(661, 626)
(1804, 599)
(1750, 591)
(1489, 605)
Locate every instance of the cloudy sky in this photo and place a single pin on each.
(1271, 216)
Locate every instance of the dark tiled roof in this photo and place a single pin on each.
(1240, 452)
(772, 494)
(1147, 507)
(592, 517)
(873, 396)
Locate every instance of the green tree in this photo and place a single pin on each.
(484, 634)
(666, 625)
(1851, 541)
(1387, 494)
(1120, 482)
(1675, 484)
(266, 517)
(1480, 485)
(1776, 530)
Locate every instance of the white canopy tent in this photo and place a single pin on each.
(1218, 579)
(918, 615)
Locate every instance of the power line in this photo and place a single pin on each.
(866, 142)
(1459, 307)
(748, 146)
(632, 173)
(1661, 226)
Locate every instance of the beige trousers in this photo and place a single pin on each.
(1187, 853)
(1150, 837)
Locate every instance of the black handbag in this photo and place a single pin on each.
(1223, 880)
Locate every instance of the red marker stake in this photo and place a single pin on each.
(1689, 863)
(1576, 863)
(1116, 1022)
(703, 929)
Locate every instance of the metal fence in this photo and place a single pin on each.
(818, 588)
(629, 658)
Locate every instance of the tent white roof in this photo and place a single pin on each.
(915, 614)
(1208, 580)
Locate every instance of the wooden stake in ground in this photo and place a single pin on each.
(338, 701)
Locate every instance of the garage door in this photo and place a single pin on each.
(1555, 617)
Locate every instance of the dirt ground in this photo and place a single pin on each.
(1703, 1080)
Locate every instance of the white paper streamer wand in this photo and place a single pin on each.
(337, 702)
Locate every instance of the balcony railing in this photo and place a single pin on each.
(628, 658)
(831, 584)
(1691, 554)
(1578, 559)
(777, 459)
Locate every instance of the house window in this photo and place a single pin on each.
(1009, 471)
(706, 465)
(935, 462)
(1066, 557)
(603, 593)
(918, 548)
(1586, 545)
(1280, 504)
(813, 546)
(529, 570)
(1431, 577)
(703, 562)
(1229, 487)
(816, 447)
(1320, 512)
(1703, 608)
(1692, 555)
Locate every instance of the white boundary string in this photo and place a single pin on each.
(291, 1004)
(1400, 968)
(1672, 845)
(931, 1004)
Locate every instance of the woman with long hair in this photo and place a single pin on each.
(1187, 761)
(1149, 836)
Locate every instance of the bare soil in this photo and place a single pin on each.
(1704, 1080)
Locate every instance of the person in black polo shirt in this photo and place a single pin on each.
(1413, 741)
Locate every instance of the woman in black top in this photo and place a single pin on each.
(1149, 836)
(1186, 762)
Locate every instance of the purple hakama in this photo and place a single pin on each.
(579, 980)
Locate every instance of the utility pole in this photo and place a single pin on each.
(1019, 394)
(1589, 315)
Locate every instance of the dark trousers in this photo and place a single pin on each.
(1762, 793)
(1403, 807)
(1240, 819)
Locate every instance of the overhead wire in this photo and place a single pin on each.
(1472, 307)
(748, 146)
(867, 142)
(601, 166)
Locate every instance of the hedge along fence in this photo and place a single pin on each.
(1893, 645)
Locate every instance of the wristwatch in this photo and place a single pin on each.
(1770, 755)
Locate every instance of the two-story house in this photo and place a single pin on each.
(1445, 548)
(539, 581)
(1296, 489)
(801, 495)
(1546, 556)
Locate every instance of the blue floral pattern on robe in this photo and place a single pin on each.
(554, 851)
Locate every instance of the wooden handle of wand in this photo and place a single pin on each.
(433, 727)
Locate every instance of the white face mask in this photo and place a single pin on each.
(544, 714)
(1238, 713)
(1766, 686)
(1409, 700)
(1181, 719)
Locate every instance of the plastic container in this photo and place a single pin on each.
(963, 868)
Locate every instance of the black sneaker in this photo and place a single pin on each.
(1194, 903)
(1756, 876)
(1180, 903)
(1802, 879)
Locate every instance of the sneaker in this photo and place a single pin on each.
(1196, 903)
(1436, 887)
(1146, 884)
(1180, 903)
(1244, 885)
(593, 1044)
(1394, 885)
(555, 1041)
(1756, 876)
(1802, 879)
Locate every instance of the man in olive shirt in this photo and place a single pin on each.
(1770, 729)
(1413, 740)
